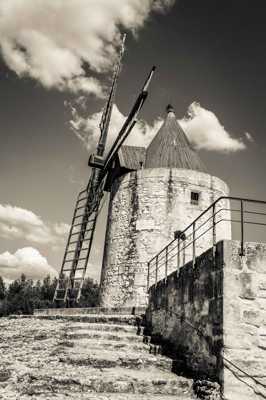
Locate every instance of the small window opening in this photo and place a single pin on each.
(194, 198)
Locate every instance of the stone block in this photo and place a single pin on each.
(262, 342)
(250, 365)
(235, 340)
(231, 284)
(256, 257)
(252, 317)
(231, 259)
(232, 313)
(261, 294)
(262, 284)
(248, 285)
(262, 331)
(209, 287)
(216, 311)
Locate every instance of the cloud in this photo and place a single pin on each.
(18, 223)
(201, 126)
(27, 261)
(18, 215)
(249, 137)
(55, 41)
(87, 129)
(205, 131)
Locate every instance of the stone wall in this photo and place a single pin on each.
(89, 311)
(186, 312)
(244, 299)
(146, 207)
(213, 317)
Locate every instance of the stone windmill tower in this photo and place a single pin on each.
(154, 192)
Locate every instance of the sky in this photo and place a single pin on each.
(56, 62)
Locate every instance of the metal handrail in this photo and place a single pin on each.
(164, 256)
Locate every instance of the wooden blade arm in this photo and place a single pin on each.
(130, 122)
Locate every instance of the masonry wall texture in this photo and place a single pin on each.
(146, 207)
(214, 318)
(186, 311)
(244, 305)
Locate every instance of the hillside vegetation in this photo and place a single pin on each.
(23, 295)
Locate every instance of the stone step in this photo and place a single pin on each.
(101, 327)
(108, 396)
(91, 310)
(112, 345)
(95, 334)
(106, 359)
(114, 380)
(93, 318)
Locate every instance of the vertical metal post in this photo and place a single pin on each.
(242, 251)
(148, 277)
(184, 253)
(166, 263)
(213, 231)
(194, 244)
(156, 271)
(178, 254)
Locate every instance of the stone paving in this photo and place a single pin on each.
(83, 358)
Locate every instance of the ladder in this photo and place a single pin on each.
(78, 248)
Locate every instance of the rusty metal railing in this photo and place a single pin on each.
(226, 218)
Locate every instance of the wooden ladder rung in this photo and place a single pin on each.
(73, 251)
(83, 223)
(77, 269)
(76, 259)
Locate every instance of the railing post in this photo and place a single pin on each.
(178, 254)
(213, 231)
(242, 251)
(148, 277)
(156, 271)
(194, 244)
(166, 263)
(184, 253)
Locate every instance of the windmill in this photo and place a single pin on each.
(80, 239)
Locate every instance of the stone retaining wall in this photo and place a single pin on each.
(244, 303)
(213, 318)
(186, 311)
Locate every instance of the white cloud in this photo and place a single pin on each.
(61, 229)
(19, 216)
(18, 223)
(201, 126)
(87, 129)
(249, 137)
(51, 40)
(26, 260)
(205, 131)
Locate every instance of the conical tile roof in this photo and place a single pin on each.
(170, 147)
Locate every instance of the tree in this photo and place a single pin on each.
(89, 294)
(2, 289)
(22, 296)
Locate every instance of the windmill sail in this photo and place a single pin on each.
(83, 225)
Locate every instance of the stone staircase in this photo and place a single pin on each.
(83, 357)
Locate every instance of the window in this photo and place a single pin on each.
(194, 198)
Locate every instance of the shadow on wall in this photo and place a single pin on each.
(185, 314)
